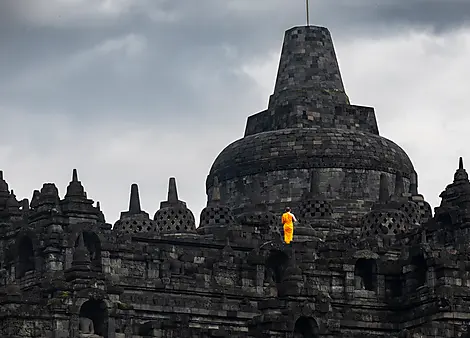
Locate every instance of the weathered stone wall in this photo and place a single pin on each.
(206, 287)
(281, 159)
(301, 116)
(336, 184)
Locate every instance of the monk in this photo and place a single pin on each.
(288, 220)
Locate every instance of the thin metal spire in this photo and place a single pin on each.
(308, 12)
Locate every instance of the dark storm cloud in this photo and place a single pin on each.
(175, 68)
(182, 43)
(143, 59)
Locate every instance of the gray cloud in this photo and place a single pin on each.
(242, 14)
(439, 15)
(139, 90)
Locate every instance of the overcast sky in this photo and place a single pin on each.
(140, 90)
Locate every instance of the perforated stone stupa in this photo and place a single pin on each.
(368, 259)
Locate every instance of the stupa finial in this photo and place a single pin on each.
(307, 3)
(134, 201)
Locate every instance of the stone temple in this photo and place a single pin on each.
(369, 258)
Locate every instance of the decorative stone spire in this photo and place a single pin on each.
(315, 213)
(392, 215)
(384, 195)
(4, 192)
(76, 203)
(81, 256)
(83, 269)
(24, 204)
(134, 202)
(414, 184)
(75, 188)
(12, 203)
(101, 217)
(35, 199)
(214, 197)
(172, 191)
(215, 215)
(48, 198)
(454, 210)
(3, 184)
(309, 66)
(135, 220)
(399, 185)
(425, 211)
(456, 196)
(45, 204)
(12, 207)
(461, 174)
(172, 195)
(174, 217)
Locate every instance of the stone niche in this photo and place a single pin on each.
(93, 322)
(306, 327)
(365, 275)
(26, 262)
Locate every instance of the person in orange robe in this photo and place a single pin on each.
(288, 220)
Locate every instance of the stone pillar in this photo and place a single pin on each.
(349, 286)
(105, 262)
(431, 278)
(260, 274)
(380, 289)
(68, 258)
(111, 326)
(61, 328)
(74, 325)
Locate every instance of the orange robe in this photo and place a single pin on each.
(288, 220)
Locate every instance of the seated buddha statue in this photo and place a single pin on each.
(86, 328)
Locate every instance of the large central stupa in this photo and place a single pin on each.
(309, 124)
